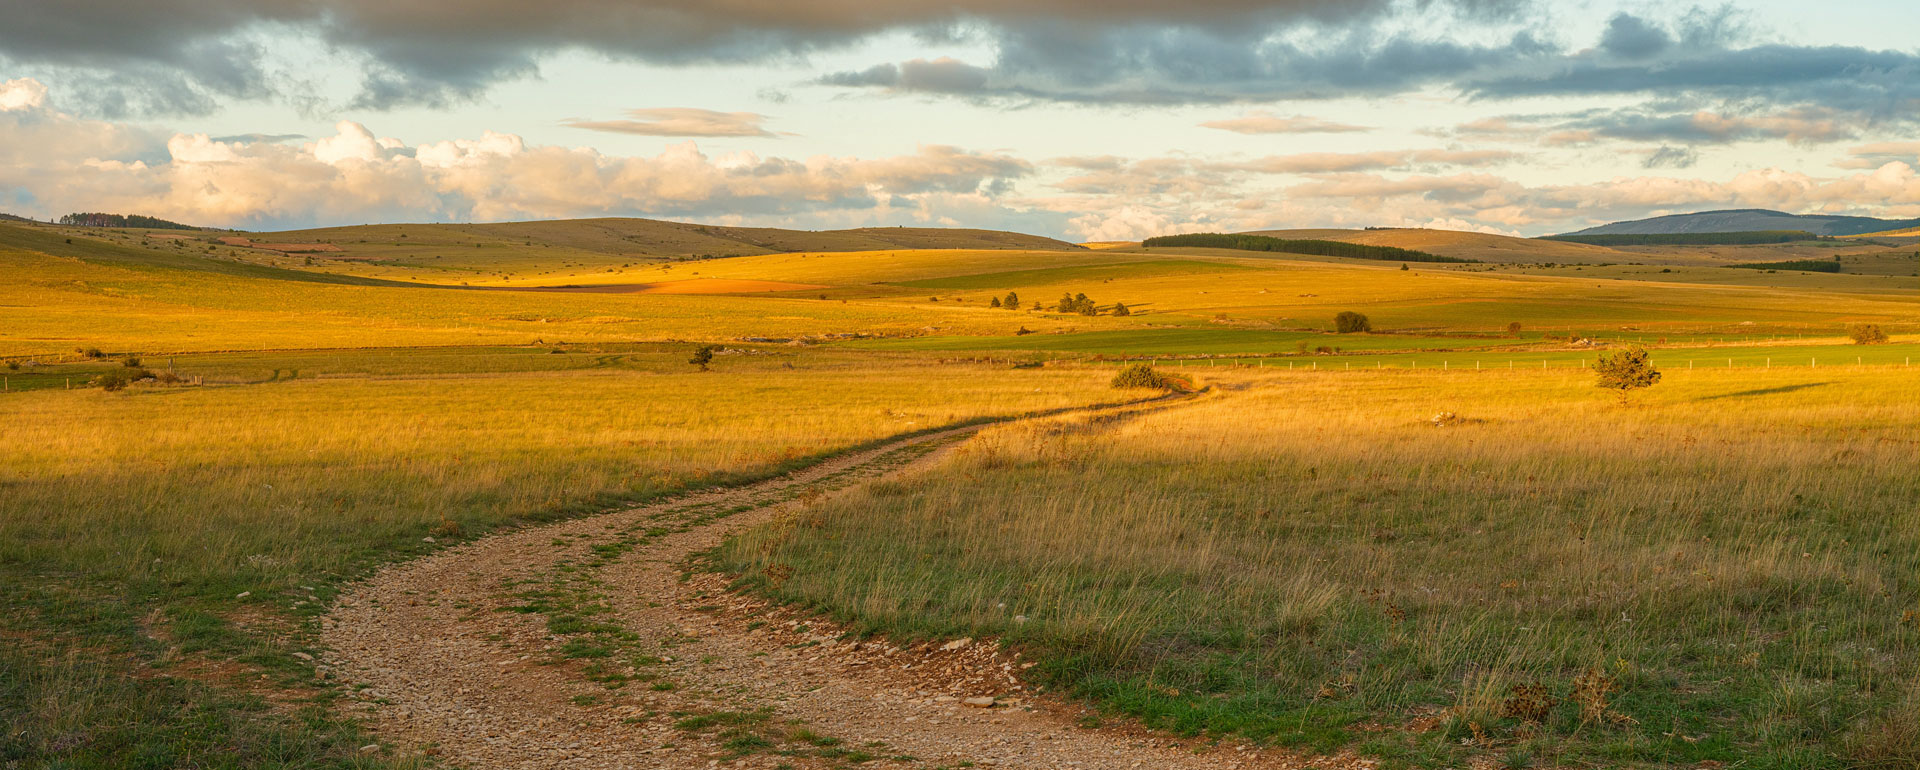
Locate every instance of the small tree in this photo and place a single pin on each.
(702, 356)
(994, 303)
(1084, 306)
(1513, 329)
(1867, 334)
(1120, 308)
(1625, 371)
(1349, 322)
(1012, 302)
(1144, 376)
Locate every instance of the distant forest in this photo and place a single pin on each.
(90, 219)
(1313, 247)
(1805, 265)
(1691, 239)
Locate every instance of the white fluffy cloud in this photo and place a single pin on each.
(70, 164)
(52, 163)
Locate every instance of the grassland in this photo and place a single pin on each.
(1725, 572)
(163, 550)
(1299, 559)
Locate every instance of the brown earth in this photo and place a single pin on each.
(450, 662)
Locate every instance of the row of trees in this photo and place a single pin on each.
(1312, 247)
(96, 219)
(1069, 303)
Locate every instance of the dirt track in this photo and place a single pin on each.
(460, 655)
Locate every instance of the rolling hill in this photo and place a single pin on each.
(1485, 247)
(649, 238)
(1749, 220)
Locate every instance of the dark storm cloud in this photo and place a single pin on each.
(153, 56)
(428, 53)
(1173, 65)
(1631, 37)
(1703, 58)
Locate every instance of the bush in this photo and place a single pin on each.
(1077, 303)
(1349, 322)
(1012, 302)
(1626, 371)
(1867, 334)
(119, 379)
(1120, 308)
(1144, 376)
(131, 362)
(1513, 328)
(702, 356)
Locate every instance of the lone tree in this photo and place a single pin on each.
(1348, 322)
(702, 356)
(1513, 329)
(1867, 334)
(1625, 371)
(1012, 302)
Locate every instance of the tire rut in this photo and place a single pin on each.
(587, 644)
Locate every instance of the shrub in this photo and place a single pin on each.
(119, 379)
(1513, 328)
(1144, 376)
(1120, 308)
(1077, 303)
(1012, 302)
(1626, 371)
(1349, 322)
(995, 303)
(131, 362)
(1867, 334)
(702, 356)
(13, 365)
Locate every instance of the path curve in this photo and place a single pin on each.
(476, 655)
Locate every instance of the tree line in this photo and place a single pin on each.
(96, 219)
(1316, 248)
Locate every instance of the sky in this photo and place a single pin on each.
(1081, 119)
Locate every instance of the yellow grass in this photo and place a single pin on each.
(180, 483)
(1741, 552)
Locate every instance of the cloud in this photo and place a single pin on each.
(944, 75)
(1740, 123)
(184, 55)
(1879, 154)
(1186, 64)
(680, 121)
(22, 94)
(1671, 157)
(1263, 122)
(354, 175)
(1334, 162)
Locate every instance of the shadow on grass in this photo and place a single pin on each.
(1764, 391)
